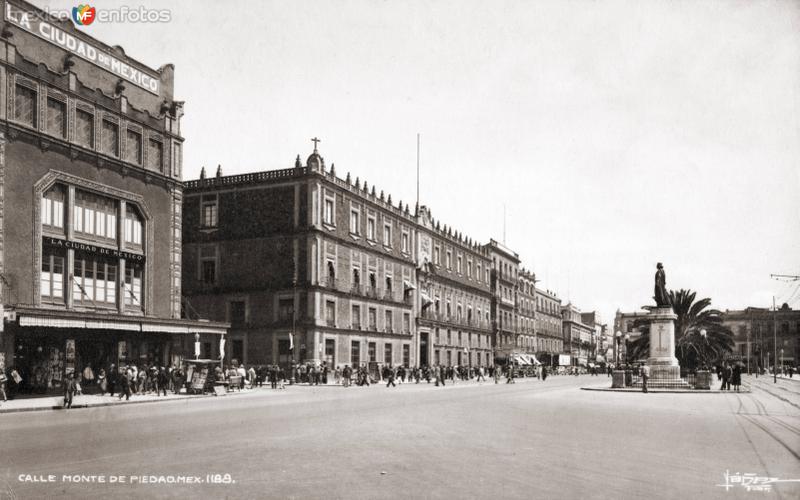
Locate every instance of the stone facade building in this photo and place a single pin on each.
(526, 312)
(307, 267)
(577, 335)
(549, 332)
(755, 331)
(504, 275)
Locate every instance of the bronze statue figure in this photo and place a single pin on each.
(662, 297)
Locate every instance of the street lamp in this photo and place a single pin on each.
(618, 336)
(704, 333)
(781, 361)
(627, 338)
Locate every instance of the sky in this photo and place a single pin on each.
(614, 134)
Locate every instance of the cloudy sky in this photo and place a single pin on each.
(616, 134)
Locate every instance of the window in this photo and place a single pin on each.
(371, 228)
(469, 269)
(371, 348)
(387, 354)
(109, 138)
(328, 212)
(388, 284)
(331, 273)
(406, 355)
(52, 277)
(210, 213)
(406, 323)
(355, 222)
(56, 118)
(133, 226)
(155, 155)
(94, 281)
(238, 313)
(133, 147)
(25, 106)
(436, 256)
(237, 352)
(285, 309)
(458, 264)
(355, 353)
(133, 286)
(176, 160)
(53, 208)
(94, 215)
(330, 350)
(387, 321)
(330, 312)
(208, 264)
(387, 234)
(84, 128)
(406, 247)
(355, 317)
(449, 260)
(372, 317)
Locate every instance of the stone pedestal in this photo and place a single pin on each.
(664, 369)
(617, 379)
(703, 380)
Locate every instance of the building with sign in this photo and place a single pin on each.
(307, 266)
(90, 172)
(761, 334)
(454, 322)
(549, 333)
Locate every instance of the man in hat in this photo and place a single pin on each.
(70, 387)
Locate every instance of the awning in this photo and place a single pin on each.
(408, 286)
(426, 301)
(31, 317)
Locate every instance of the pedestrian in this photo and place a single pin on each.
(496, 374)
(281, 377)
(736, 377)
(102, 381)
(389, 376)
(162, 380)
(544, 373)
(645, 376)
(347, 372)
(69, 390)
(113, 379)
(251, 377)
(726, 377)
(3, 380)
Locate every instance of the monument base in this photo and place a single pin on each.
(665, 373)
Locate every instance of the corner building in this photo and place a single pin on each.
(306, 266)
(90, 172)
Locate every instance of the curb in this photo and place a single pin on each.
(662, 391)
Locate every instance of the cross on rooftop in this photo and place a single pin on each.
(315, 141)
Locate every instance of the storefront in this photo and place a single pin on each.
(50, 345)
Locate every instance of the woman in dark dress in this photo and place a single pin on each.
(736, 378)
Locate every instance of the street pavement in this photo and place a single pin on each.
(532, 439)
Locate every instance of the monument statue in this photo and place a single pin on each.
(662, 297)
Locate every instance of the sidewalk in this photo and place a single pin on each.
(49, 403)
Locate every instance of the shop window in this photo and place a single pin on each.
(155, 155)
(94, 281)
(84, 128)
(25, 105)
(53, 208)
(133, 226)
(355, 353)
(109, 138)
(133, 287)
(238, 350)
(52, 276)
(207, 350)
(56, 118)
(330, 350)
(133, 147)
(95, 215)
(371, 351)
(387, 354)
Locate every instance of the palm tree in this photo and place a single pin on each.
(691, 347)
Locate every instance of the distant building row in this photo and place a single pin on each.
(358, 278)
